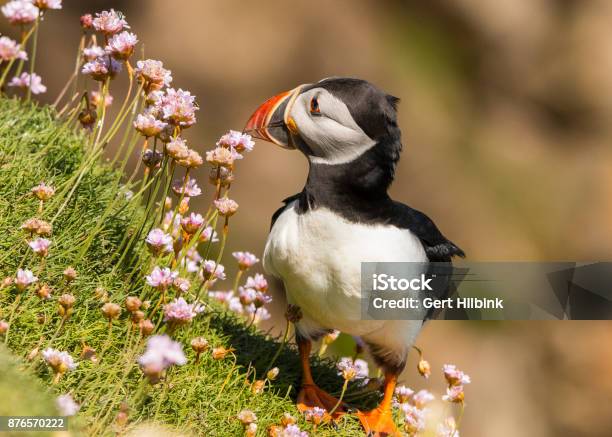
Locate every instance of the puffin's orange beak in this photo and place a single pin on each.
(271, 121)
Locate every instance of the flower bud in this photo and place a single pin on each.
(424, 368)
(41, 318)
(4, 326)
(33, 354)
(258, 387)
(44, 292)
(152, 159)
(146, 327)
(6, 282)
(122, 418)
(86, 21)
(184, 206)
(250, 430)
(111, 310)
(132, 303)
(168, 203)
(87, 117)
(137, 316)
(220, 352)
(272, 373)
(246, 417)
(89, 353)
(67, 301)
(287, 419)
(70, 274)
(101, 294)
(199, 345)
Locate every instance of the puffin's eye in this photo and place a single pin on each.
(314, 106)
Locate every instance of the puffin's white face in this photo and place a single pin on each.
(325, 124)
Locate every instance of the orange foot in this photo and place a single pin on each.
(378, 423)
(311, 396)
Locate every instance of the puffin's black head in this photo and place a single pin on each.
(333, 121)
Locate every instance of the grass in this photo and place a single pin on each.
(201, 399)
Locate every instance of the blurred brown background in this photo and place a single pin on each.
(506, 114)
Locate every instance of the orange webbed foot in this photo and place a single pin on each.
(378, 423)
(311, 396)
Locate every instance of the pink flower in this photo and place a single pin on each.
(172, 228)
(101, 68)
(403, 394)
(315, 415)
(192, 223)
(92, 52)
(182, 285)
(454, 393)
(221, 296)
(421, 398)
(161, 353)
(161, 278)
(86, 21)
(226, 207)
(9, 50)
(246, 295)
(222, 156)
(455, 376)
(257, 314)
(25, 81)
(158, 241)
(24, 278)
(207, 234)
(66, 405)
(154, 74)
(148, 125)
(353, 369)
(245, 259)
(236, 140)
(291, 430)
(258, 282)
(179, 107)
(20, 12)
(43, 191)
(110, 22)
(121, 46)
(180, 312)
(40, 246)
(414, 419)
(177, 148)
(60, 362)
(96, 99)
(48, 4)
(212, 271)
(234, 305)
(189, 189)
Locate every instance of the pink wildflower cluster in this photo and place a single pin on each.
(250, 300)
(160, 354)
(10, 50)
(179, 312)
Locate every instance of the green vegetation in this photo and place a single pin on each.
(200, 398)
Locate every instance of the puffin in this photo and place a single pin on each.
(347, 129)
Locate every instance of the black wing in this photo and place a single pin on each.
(437, 247)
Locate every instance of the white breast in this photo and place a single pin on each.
(318, 256)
